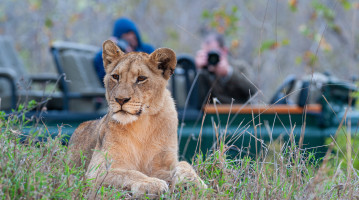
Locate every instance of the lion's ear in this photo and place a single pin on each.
(110, 52)
(165, 60)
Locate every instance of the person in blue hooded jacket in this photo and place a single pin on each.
(127, 37)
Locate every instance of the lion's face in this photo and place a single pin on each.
(135, 82)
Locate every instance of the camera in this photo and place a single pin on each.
(123, 45)
(213, 58)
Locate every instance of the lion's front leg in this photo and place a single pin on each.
(184, 173)
(135, 181)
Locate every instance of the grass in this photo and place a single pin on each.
(32, 169)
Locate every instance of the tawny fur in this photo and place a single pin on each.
(134, 146)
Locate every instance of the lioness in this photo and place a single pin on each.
(135, 143)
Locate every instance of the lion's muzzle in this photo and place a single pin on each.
(122, 101)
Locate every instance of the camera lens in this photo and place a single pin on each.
(213, 58)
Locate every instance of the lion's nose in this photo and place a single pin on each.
(122, 101)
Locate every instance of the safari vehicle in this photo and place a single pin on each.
(250, 127)
(244, 128)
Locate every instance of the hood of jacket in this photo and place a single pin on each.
(124, 25)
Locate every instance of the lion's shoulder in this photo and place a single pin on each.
(83, 140)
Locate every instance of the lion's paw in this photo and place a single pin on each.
(150, 186)
(186, 174)
(190, 178)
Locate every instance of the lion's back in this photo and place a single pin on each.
(83, 140)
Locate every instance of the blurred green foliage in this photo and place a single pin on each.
(346, 4)
(224, 20)
(272, 44)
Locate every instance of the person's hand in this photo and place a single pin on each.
(114, 39)
(201, 59)
(222, 67)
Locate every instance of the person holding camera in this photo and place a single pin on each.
(127, 38)
(220, 76)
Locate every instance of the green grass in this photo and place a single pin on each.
(39, 170)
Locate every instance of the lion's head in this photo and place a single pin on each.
(135, 82)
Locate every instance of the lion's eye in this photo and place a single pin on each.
(141, 78)
(115, 76)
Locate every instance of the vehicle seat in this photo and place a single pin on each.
(181, 85)
(82, 90)
(16, 84)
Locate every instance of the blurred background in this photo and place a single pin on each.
(276, 37)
